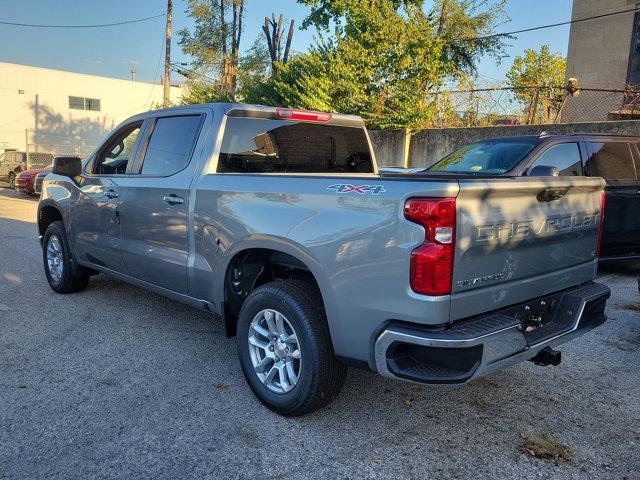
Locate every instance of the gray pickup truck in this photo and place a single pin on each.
(278, 221)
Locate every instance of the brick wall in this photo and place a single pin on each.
(598, 56)
(598, 52)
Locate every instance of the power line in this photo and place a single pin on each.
(137, 20)
(181, 70)
(515, 32)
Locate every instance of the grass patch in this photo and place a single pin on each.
(545, 447)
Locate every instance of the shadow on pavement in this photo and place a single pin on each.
(7, 192)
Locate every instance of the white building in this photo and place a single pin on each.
(41, 106)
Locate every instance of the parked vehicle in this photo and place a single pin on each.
(279, 221)
(615, 158)
(11, 164)
(505, 122)
(25, 181)
(39, 178)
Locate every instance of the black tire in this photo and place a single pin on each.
(69, 282)
(321, 376)
(12, 180)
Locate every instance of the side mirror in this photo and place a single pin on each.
(67, 166)
(543, 171)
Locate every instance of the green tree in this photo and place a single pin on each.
(381, 58)
(534, 75)
(467, 28)
(380, 61)
(214, 46)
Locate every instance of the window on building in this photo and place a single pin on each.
(565, 157)
(633, 70)
(82, 103)
(170, 146)
(76, 103)
(611, 161)
(92, 104)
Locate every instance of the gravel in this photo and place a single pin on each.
(117, 382)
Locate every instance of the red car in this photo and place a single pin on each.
(25, 180)
(505, 122)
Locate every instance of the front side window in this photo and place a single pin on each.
(115, 156)
(257, 145)
(490, 158)
(565, 157)
(611, 161)
(170, 146)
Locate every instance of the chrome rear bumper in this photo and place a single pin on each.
(478, 346)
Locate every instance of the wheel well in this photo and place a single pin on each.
(254, 267)
(46, 216)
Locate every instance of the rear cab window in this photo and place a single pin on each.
(612, 161)
(260, 145)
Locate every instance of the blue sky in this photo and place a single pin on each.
(112, 51)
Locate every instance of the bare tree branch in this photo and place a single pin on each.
(285, 58)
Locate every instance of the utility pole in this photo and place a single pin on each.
(167, 56)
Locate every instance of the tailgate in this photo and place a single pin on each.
(520, 238)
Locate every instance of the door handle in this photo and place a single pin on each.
(111, 193)
(173, 199)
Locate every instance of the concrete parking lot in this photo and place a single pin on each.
(116, 382)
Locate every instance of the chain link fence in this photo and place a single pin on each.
(503, 106)
(42, 155)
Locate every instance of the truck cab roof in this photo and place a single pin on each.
(262, 111)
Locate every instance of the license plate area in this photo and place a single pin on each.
(546, 317)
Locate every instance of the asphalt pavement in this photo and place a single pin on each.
(117, 382)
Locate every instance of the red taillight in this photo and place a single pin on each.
(306, 115)
(431, 270)
(603, 201)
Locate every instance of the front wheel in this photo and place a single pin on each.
(57, 261)
(285, 348)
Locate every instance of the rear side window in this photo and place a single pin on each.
(612, 161)
(170, 146)
(255, 145)
(565, 157)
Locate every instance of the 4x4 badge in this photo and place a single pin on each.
(359, 189)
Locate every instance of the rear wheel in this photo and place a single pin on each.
(285, 349)
(57, 261)
(12, 180)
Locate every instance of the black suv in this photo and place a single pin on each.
(615, 158)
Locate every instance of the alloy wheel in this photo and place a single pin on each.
(275, 352)
(55, 258)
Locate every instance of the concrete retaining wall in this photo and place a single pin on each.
(389, 147)
(429, 146)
